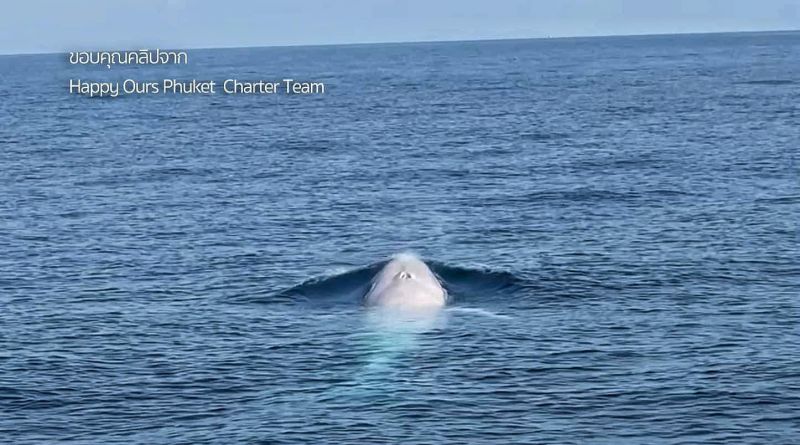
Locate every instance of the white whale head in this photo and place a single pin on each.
(405, 282)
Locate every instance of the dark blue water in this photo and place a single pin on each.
(616, 220)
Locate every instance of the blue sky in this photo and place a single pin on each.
(55, 25)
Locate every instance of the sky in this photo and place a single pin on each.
(31, 26)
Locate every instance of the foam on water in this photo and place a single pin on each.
(478, 311)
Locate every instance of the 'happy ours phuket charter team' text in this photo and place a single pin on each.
(174, 86)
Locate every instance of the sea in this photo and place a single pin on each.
(615, 220)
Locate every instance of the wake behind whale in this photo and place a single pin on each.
(408, 303)
(404, 276)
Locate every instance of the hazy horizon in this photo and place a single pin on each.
(44, 26)
(300, 45)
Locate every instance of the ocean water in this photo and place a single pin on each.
(616, 220)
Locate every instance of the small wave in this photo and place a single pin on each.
(780, 200)
(157, 174)
(582, 195)
(542, 136)
(768, 82)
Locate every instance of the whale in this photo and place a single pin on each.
(406, 282)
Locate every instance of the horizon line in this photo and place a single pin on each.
(399, 42)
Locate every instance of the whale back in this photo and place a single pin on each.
(406, 282)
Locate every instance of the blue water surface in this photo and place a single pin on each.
(616, 220)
